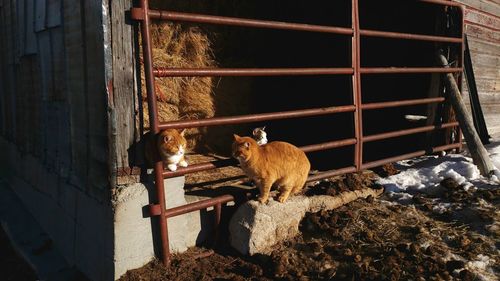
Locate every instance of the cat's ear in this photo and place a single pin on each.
(255, 131)
(263, 128)
(247, 144)
(182, 132)
(236, 137)
(167, 138)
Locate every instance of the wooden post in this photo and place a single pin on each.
(479, 154)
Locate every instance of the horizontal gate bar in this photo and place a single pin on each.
(408, 132)
(444, 3)
(381, 162)
(328, 145)
(381, 70)
(199, 205)
(409, 36)
(331, 173)
(181, 72)
(138, 14)
(255, 117)
(388, 104)
(232, 162)
(200, 167)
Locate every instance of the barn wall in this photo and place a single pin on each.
(482, 26)
(54, 123)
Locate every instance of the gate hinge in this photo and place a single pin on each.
(154, 210)
(137, 13)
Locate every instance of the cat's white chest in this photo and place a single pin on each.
(176, 158)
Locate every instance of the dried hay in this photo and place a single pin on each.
(178, 46)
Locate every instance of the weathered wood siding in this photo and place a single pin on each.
(482, 26)
(53, 97)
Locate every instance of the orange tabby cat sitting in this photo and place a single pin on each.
(276, 163)
(171, 145)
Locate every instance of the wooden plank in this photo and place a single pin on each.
(96, 98)
(63, 142)
(50, 112)
(482, 33)
(21, 26)
(40, 15)
(76, 77)
(3, 82)
(45, 61)
(480, 46)
(487, 85)
(482, 19)
(30, 37)
(486, 60)
(53, 13)
(486, 72)
(33, 97)
(479, 154)
(123, 81)
(23, 73)
(482, 5)
(58, 63)
(9, 70)
(10, 29)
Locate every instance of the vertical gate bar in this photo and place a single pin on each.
(356, 88)
(461, 64)
(217, 214)
(154, 125)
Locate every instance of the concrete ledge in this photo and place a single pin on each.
(255, 227)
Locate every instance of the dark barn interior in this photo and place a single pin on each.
(243, 47)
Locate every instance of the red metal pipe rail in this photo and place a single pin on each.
(399, 70)
(408, 36)
(218, 20)
(144, 14)
(193, 72)
(231, 162)
(388, 104)
(405, 132)
(256, 117)
(381, 162)
(331, 173)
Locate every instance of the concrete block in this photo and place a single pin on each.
(133, 231)
(255, 227)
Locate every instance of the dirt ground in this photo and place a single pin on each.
(370, 239)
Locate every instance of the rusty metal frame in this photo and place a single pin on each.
(144, 15)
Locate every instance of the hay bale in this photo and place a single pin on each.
(175, 45)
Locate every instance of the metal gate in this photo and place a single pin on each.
(145, 15)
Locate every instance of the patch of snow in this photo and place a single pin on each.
(424, 174)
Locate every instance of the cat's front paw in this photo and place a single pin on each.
(262, 200)
(172, 167)
(282, 198)
(183, 163)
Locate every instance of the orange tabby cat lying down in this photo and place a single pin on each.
(276, 163)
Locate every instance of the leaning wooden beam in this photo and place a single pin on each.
(478, 152)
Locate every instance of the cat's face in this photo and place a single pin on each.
(172, 142)
(242, 147)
